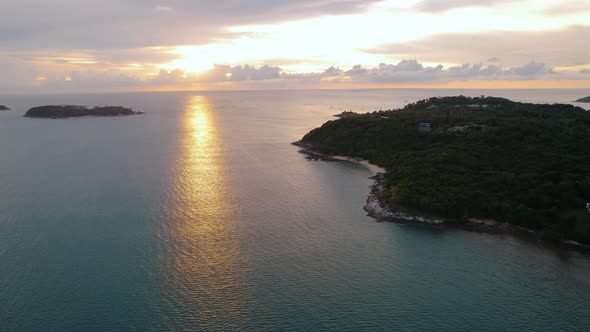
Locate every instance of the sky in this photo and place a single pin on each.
(134, 45)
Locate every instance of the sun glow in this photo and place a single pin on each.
(191, 59)
(385, 32)
(315, 44)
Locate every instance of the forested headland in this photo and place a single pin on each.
(484, 157)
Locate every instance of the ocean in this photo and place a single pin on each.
(200, 215)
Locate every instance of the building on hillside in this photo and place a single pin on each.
(424, 126)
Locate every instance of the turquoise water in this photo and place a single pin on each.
(199, 215)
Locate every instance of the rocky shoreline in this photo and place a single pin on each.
(382, 211)
(379, 210)
(312, 155)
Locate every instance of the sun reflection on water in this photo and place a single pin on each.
(200, 257)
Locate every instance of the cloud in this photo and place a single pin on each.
(357, 70)
(18, 75)
(467, 71)
(411, 71)
(166, 77)
(332, 72)
(567, 7)
(222, 73)
(512, 47)
(532, 69)
(115, 56)
(138, 37)
(564, 7)
(404, 71)
(404, 65)
(273, 77)
(147, 23)
(160, 8)
(268, 11)
(434, 6)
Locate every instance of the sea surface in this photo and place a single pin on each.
(200, 215)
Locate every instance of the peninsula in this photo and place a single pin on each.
(460, 159)
(583, 100)
(345, 114)
(4, 108)
(68, 111)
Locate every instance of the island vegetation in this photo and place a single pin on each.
(583, 100)
(345, 114)
(4, 108)
(490, 158)
(68, 111)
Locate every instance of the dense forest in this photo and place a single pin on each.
(484, 157)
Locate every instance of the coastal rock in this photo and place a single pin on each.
(376, 208)
(68, 111)
(583, 100)
(4, 108)
(312, 155)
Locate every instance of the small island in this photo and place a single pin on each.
(68, 111)
(486, 164)
(583, 100)
(4, 108)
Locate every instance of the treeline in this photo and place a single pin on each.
(485, 157)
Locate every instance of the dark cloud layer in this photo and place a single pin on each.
(144, 23)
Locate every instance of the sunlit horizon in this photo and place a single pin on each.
(316, 44)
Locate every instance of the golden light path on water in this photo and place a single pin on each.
(201, 253)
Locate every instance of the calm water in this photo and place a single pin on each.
(199, 215)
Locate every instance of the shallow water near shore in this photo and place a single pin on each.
(200, 215)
